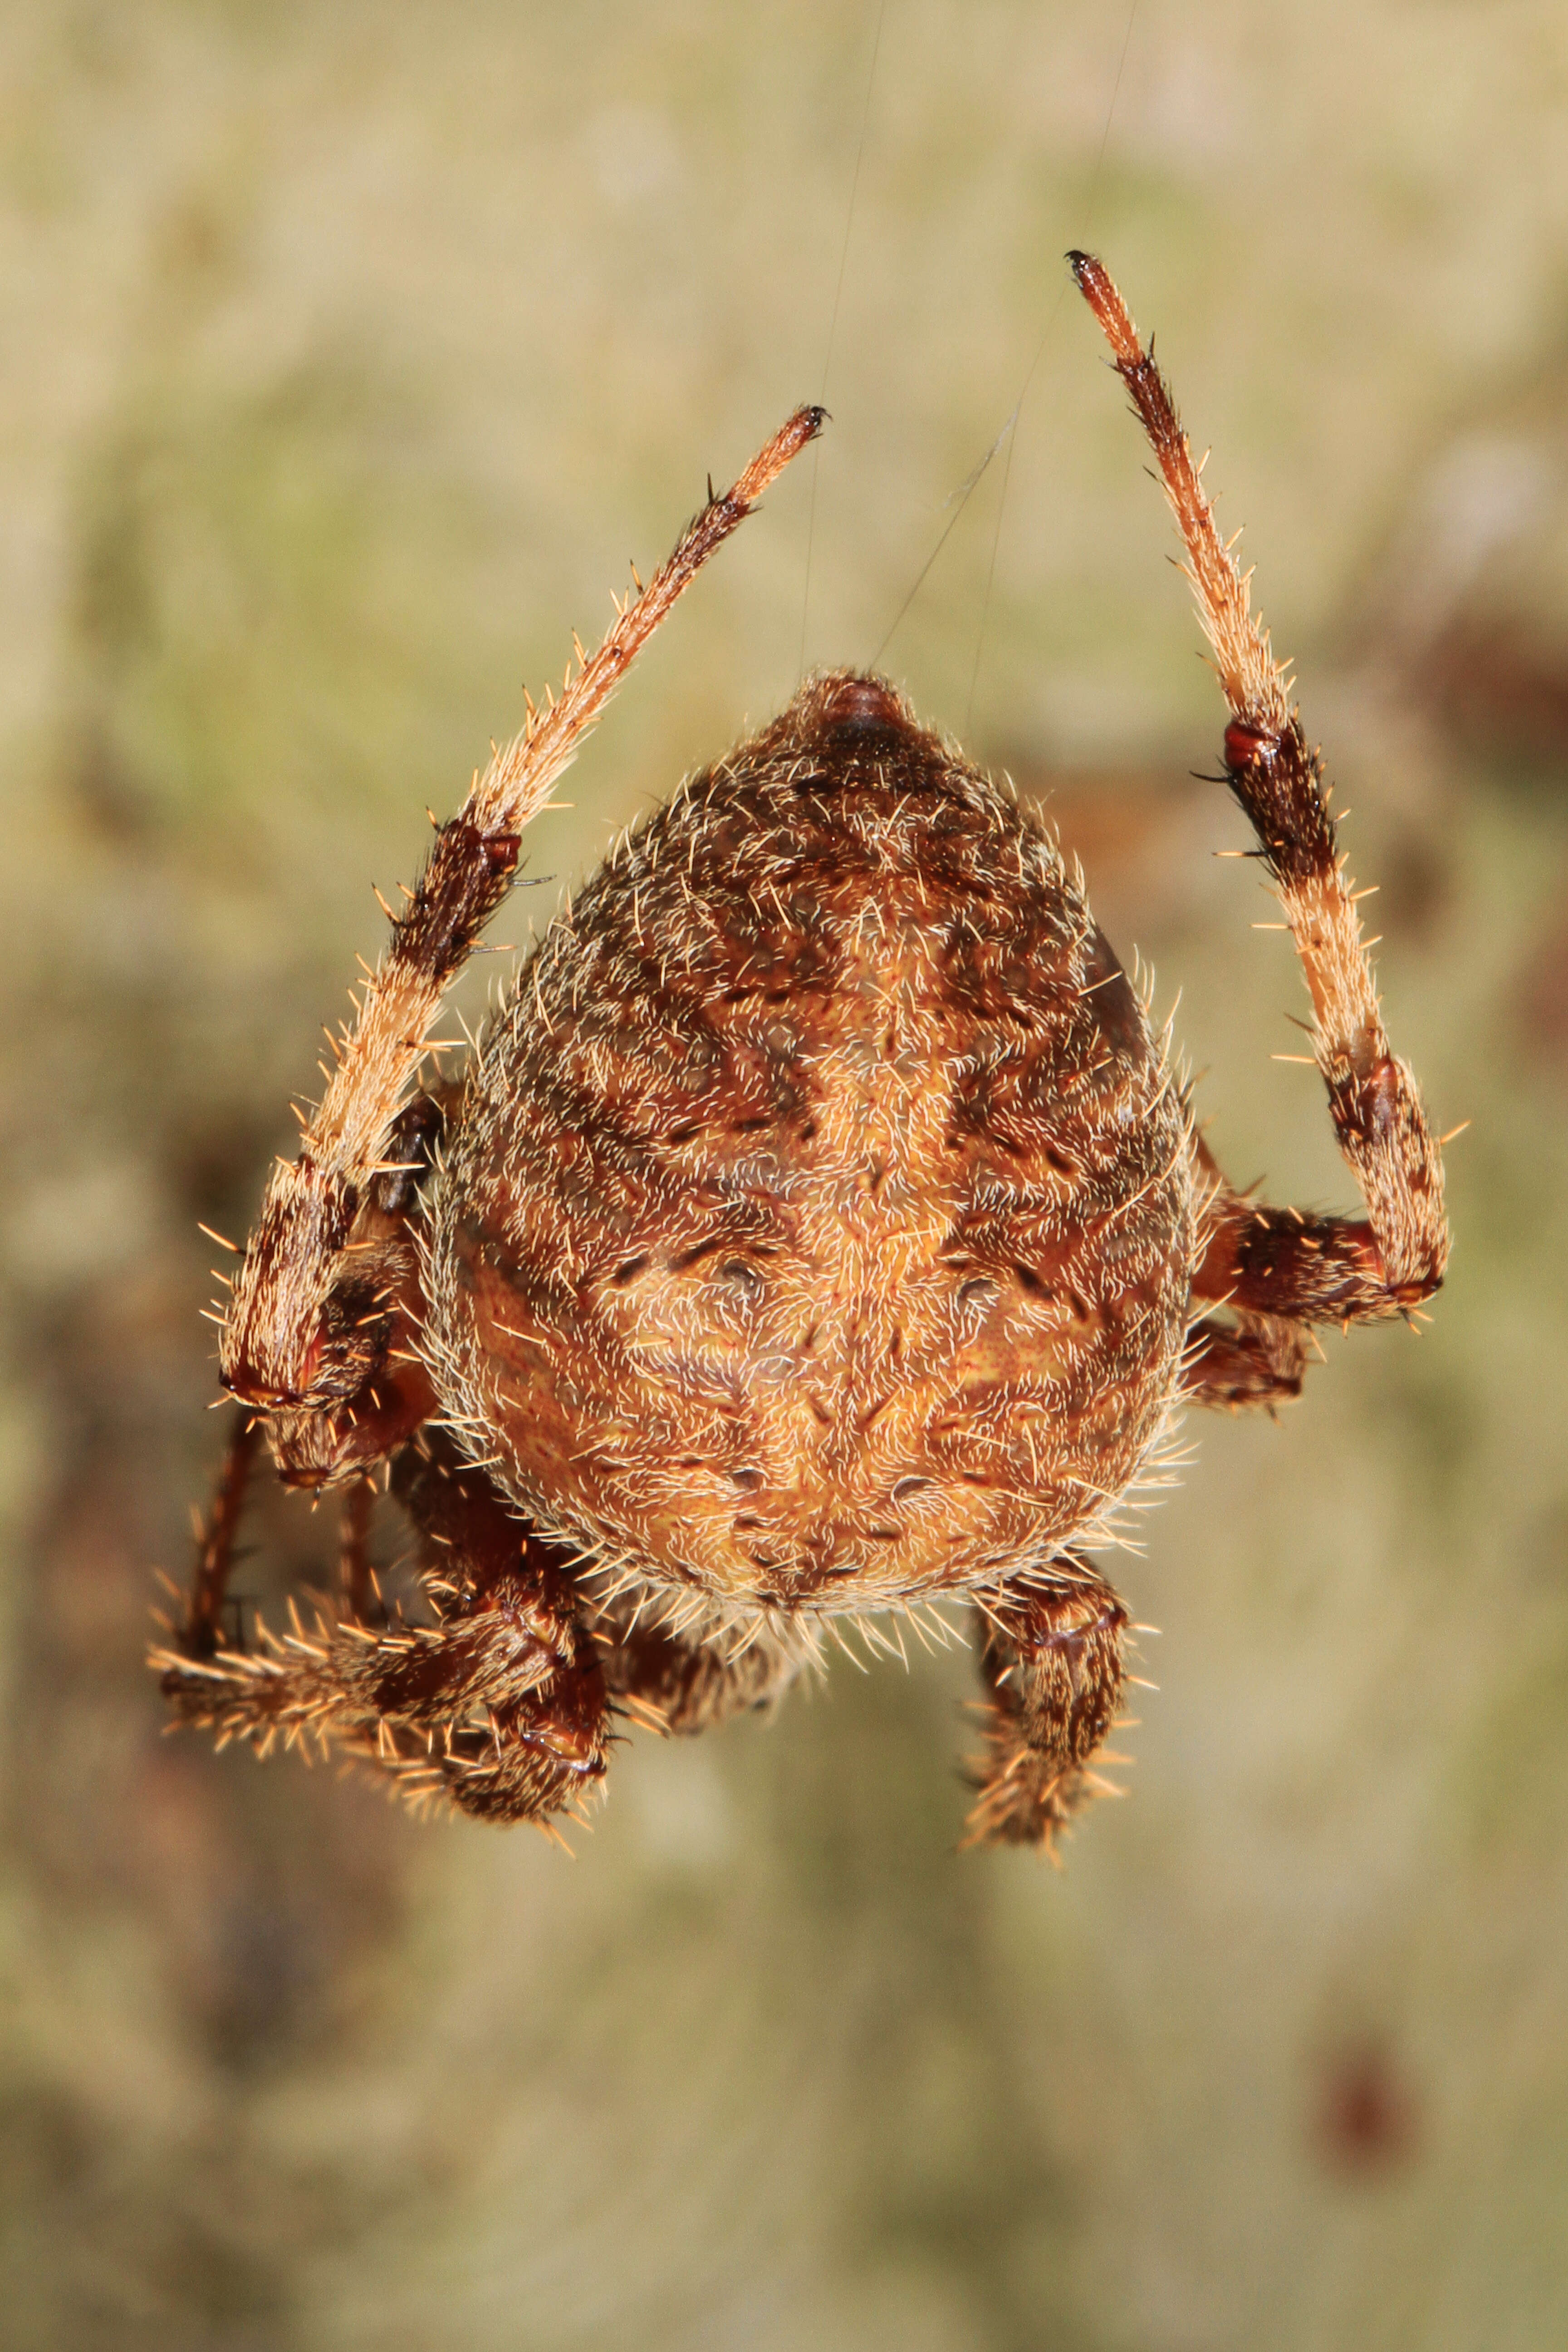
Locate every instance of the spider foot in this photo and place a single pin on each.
(1023, 1797)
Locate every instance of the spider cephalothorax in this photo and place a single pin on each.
(816, 1230)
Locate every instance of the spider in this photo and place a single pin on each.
(817, 1230)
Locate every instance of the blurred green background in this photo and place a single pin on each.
(350, 350)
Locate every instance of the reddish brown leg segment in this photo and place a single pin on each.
(201, 1632)
(1051, 1661)
(1257, 1359)
(1241, 1356)
(356, 1578)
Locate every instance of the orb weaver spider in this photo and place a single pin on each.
(816, 1230)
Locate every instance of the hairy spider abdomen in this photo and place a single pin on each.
(817, 1227)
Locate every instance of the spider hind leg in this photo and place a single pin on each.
(1283, 1263)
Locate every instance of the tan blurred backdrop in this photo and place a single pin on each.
(350, 351)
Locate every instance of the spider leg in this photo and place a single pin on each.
(499, 1707)
(1250, 1353)
(1051, 1659)
(356, 1578)
(1254, 1359)
(201, 1632)
(677, 1684)
(278, 1349)
(1338, 1269)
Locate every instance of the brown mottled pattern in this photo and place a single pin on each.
(819, 1225)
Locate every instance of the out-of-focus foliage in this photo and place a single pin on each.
(350, 353)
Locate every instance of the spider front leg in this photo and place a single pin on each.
(1051, 1661)
(1275, 1263)
(303, 1326)
(1273, 1272)
(498, 1706)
